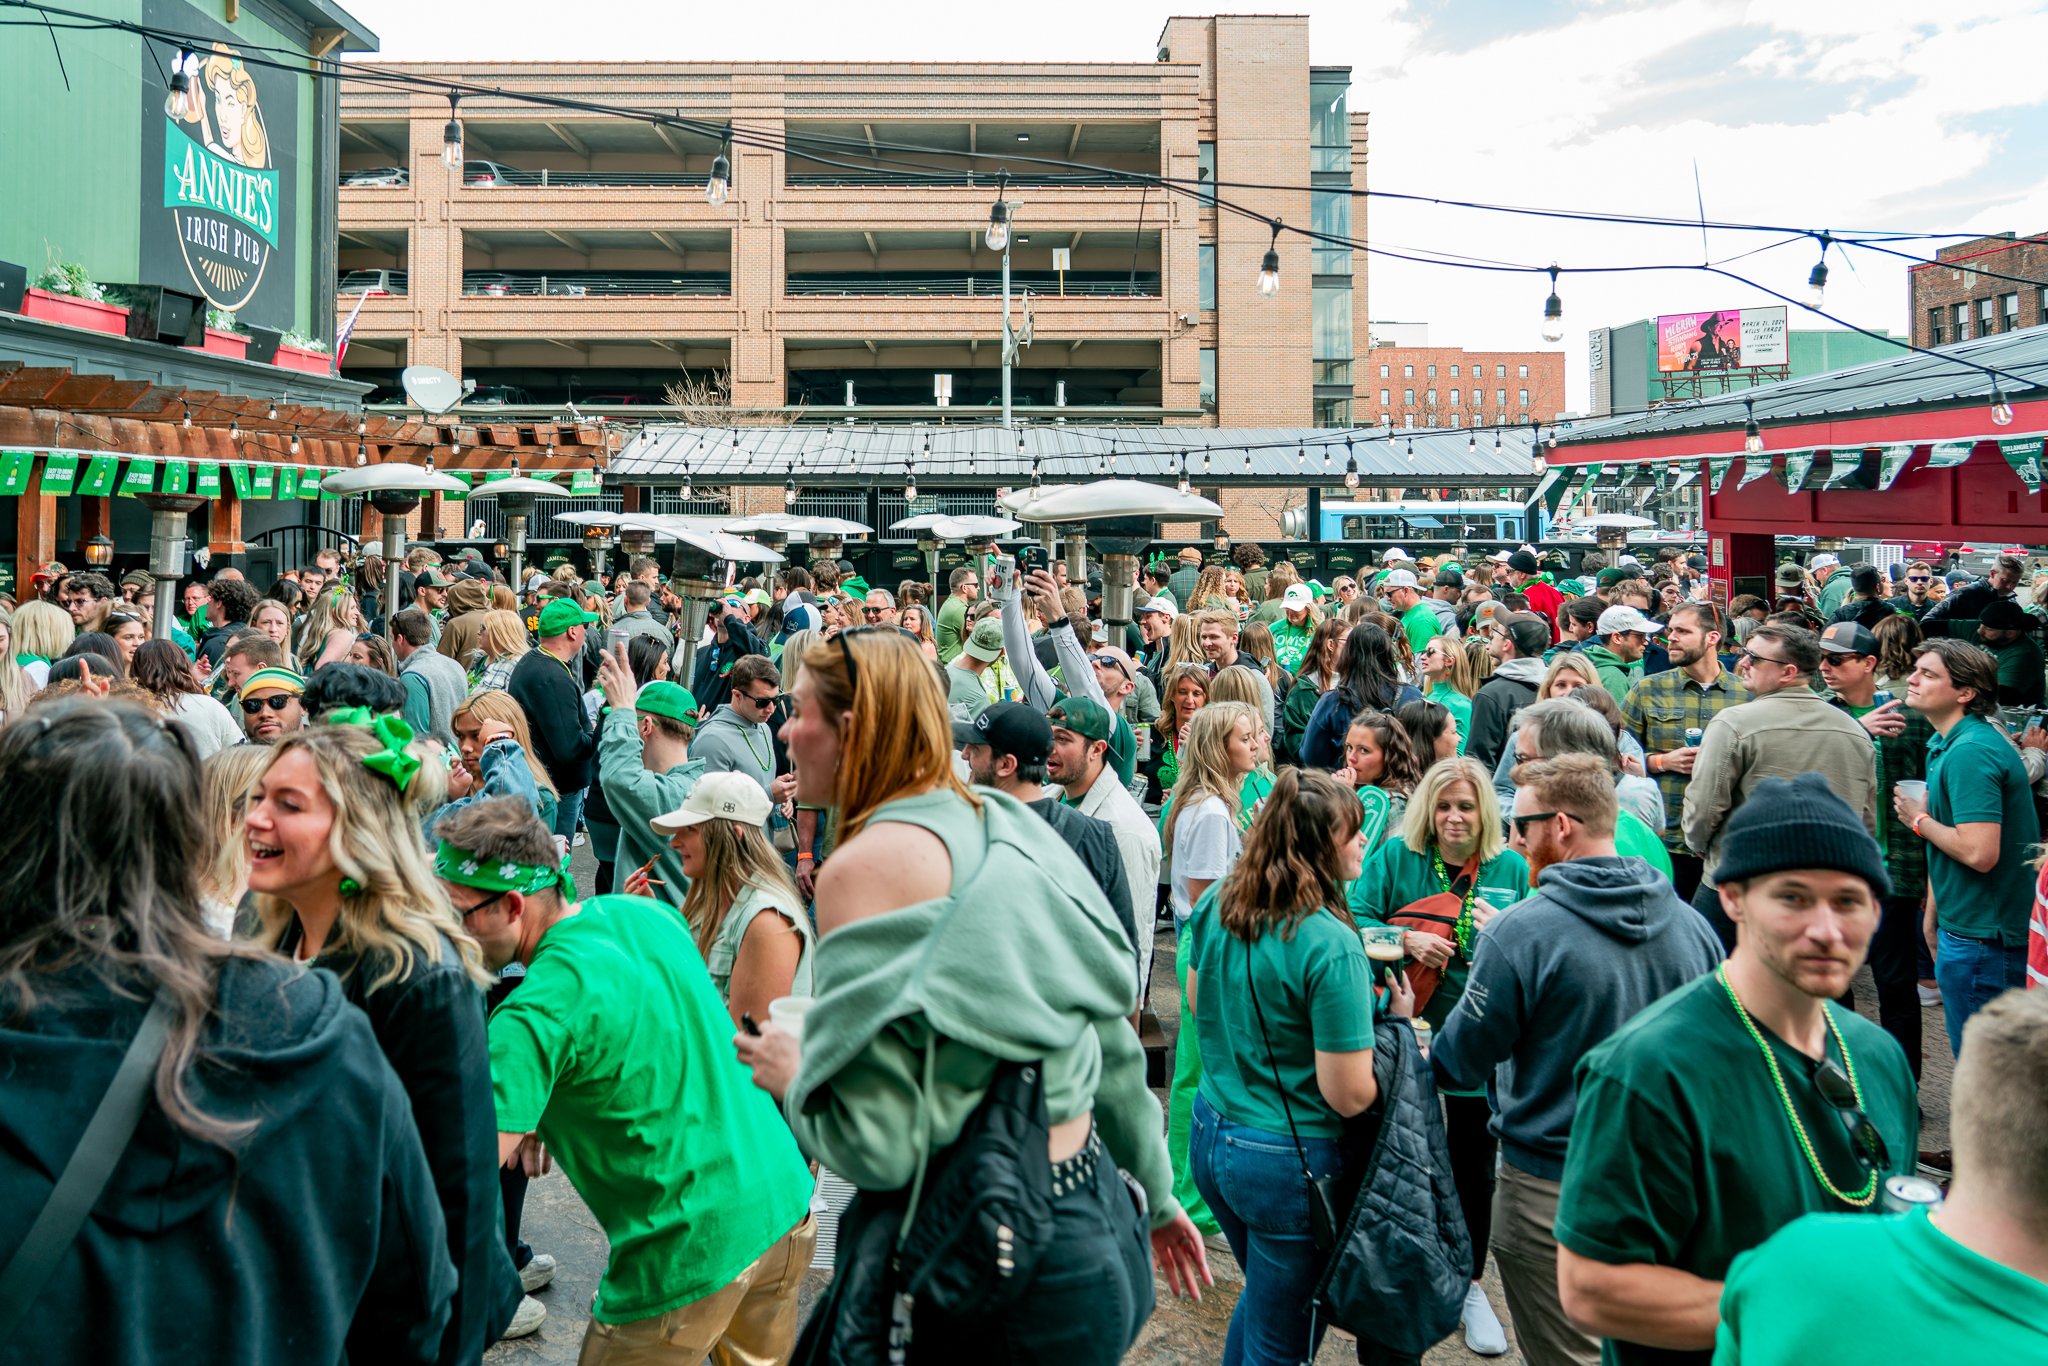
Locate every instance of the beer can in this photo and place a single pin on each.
(1693, 735)
(1903, 1193)
(1881, 697)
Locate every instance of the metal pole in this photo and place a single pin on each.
(394, 565)
(515, 542)
(1009, 343)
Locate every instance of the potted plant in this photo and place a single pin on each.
(301, 352)
(224, 336)
(65, 293)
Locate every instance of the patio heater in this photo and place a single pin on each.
(394, 490)
(934, 529)
(169, 552)
(1121, 514)
(597, 540)
(517, 498)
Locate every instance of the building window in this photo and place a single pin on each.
(1986, 316)
(1205, 262)
(1205, 167)
(1429, 398)
(1408, 419)
(1333, 372)
(1330, 214)
(1386, 398)
(1500, 372)
(1332, 412)
(1960, 316)
(1329, 125)
(1407, 372)
(1500, 396)
(1454, 369)
(1408, 397)
(1524, 372)
(1330, 307)
(1522, 398)
(1386, 371)
(1432, 372)
(2009, 308)
(1454, 398)
(1209, 377)
(1935, 317)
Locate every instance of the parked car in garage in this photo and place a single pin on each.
(376, 175)
(374, 282)
(494, 173)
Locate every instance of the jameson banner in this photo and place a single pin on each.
(588, 482)
(1754, 467)
(100, 474)
(177, 477)
(309, 482)
(206, 479)
(220, 174)
(2023, 453)
(1946, 455)
(15, 468)
(1842, 466)
(1719, 467)
(1798, 465)
(60, 472)
(1892, 462)
(140, 478)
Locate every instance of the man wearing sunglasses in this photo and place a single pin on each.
(1742, 1100)
(271, 706)
(1914, 601)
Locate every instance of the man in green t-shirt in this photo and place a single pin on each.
(1977, 820)
(1739, 1102)
(1419, 621)
(949, 627)
(983, 647)
(687, 1166)
(1967, 1282)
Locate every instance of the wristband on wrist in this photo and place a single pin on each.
(1916, 823)
(806, 858)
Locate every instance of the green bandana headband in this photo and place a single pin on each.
(392, 761)
(465, 869)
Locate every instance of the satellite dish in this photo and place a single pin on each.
(431, 388)
(392, 476)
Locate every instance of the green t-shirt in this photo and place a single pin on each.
(1422, 625)
(1633, 838)
(963, 689)
(1290, 643)
(1397, 875)
(1314, 992)
(619, 1051)
(1892, 1287)
(1681, 1154)
(1975, 775)
(1458, 705)
(949, 627)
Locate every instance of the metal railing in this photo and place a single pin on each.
(1040, 284)
(581, 283)
(549, 178)
(965, 178)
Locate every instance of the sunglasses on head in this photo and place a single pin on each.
(845, 639)
(1837, 1090)
(252, 706)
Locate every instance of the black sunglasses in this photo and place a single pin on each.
(276, 702)
(467, 911)
(1522, 823)
(1837, 1090)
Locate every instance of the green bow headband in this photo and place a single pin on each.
(466, 869)
(392, 761)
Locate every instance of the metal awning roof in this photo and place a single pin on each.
(1909, 380)
(980, 455)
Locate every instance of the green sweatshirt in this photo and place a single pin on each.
(1616, 676)
(636, 797)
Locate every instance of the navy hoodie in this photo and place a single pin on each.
(1556, 975)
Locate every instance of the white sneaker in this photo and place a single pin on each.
(537, 1272)
(1483, 1333)
(1930, 996)
(526, 1320)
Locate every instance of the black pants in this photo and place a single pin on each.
(1685, 874)
(1473, 1150)
(1894, 962)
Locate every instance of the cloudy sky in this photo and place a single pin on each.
(1806, 114)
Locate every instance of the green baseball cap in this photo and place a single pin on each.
(1085, 717)
(559, 615)
(673, 700)
(1610, 576)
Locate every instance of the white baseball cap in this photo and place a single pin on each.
(1396, 554)
(1296, 597)
(1616, 620)
(1400, 578)
(1822, 561)
(1159, 604)
(718, 797)
(1500, 556)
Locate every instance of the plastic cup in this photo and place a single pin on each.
(787, 1014)
(1912, 789)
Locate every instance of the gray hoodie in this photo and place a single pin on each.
(727, 744)
(1556, 975)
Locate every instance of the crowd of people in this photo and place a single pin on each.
(1511, 913)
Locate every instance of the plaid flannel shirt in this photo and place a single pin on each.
(1899, 758)
(1658, 711)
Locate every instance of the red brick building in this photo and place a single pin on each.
(1975, 289)
(1447, 386)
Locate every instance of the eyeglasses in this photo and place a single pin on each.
(874, 613)
(253, 706)
(1837, 1090)
(468, 911)
(1755, 658)
(1522, 823)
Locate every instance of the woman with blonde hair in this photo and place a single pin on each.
(43, 631)
(503, 599)
(227, 778)
(14, 681)
(1184, 691)
(332, 625)
(273, 619)
(916, 1015)
(1212, 590)
(1448, 682)
(1255, 641)
(1568, 673)
(343, 882)
(1447, 875)
(500, 643)
(495, 748)
(912, 620)
(1183, 644)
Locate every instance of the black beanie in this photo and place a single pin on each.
(1798, 823)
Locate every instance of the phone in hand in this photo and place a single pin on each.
(1030, 557)
(747, 1024)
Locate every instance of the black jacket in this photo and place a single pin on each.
(1512, 687)
(317, 1232)
(431, 1028)
(1094, 843)
(564, 740)
(1963, 606)
(708, 681)
(213, 646)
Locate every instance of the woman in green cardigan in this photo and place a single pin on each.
(1453, 824)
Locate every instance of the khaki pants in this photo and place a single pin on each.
(750, 1321)
(1525, 1250)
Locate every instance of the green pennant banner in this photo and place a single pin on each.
(2023, 453)
(263, 481)
(588, 482)
(309, 482)
(206, 479)
(1718, 467)
(493, 476)
(242, 479)
(60, 472)
(177, 477)
(288, 481)
(1552, 489)
(1798, 466)
(100, 473)
(1946, 455)
(15, 468)
(140, 478)
(1892, 462)
(467, 478)
(1841, 466)
(1754, 467)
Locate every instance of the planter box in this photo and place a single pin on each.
(73, 311)
(309, 362)
(226, 344)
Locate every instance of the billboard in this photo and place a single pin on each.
(220, 177)
(1726, 339)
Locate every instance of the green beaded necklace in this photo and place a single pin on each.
(1860, 1200)
(1463, 929)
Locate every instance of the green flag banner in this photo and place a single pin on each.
(1718, 466)
(243, 480)
(263, 481)
(309, 482)
(177, 477)
(100, 474)
(466, 477)
(287, 481)
(140, 478)
(60, 472)
(588, 482)
(1842, 465)
(2023, 453)
(1798, 465)
(1891, 462)
(1754, 467)
(1946, 455)
(1551, 489)
(15, 468)
(206, 479)
(493, 476)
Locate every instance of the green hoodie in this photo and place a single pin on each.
(636, 797)
(1616, 675)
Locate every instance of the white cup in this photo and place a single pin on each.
(787, 1013)
(1912, 789)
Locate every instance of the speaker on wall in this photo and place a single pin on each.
(164, 315)
(13, 285)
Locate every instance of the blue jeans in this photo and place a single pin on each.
(1252, 1182)
(568, 811)
(1971, 972)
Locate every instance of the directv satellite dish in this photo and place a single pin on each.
(431, 388)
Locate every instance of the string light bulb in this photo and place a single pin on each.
(909, 482)
(295, 443)
(2001, 410)
(451, 134)
(178, 94)
(362, 426)
(998, 235)
(1553, 312)
(720, 184)
(1752, 435)
(235, 429)
(272, 414)
(186, 420)
(1301, 455)
(1411, 449)
(1183, 483)
(1817, 280)
(1472, 444)
(1496, 441)
(1247, 459)
(789, 492)
(687, 492)
(1269, 265)
(362, 454)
